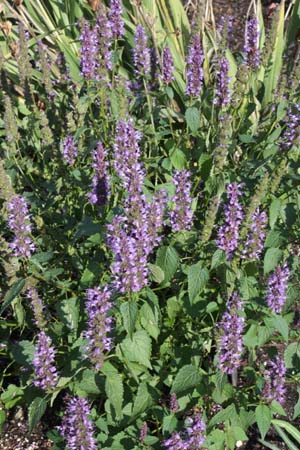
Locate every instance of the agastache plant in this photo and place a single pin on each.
(167, 66)
(37, 307)
(19, 224)
(277, 288)
(141, 53)
(100, 181)
(191, 438)
(104, 32)
(222, 97)
(45, 371)
(230, 343)
(98, 305)
(89, 52)
(256, 235)
(77, 428)
(274, 375)
(181, 216)
(228, 234)
(251, 48)
(69, 150)
(116, 20)
(291, 135)
(194, 69)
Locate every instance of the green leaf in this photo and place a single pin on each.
(91, 382)
(142, 402)
(36, 411)
(23, 353)
(129, 311)
(167, 259)
(275, 208)
(69, 312)
(150, 319)
(217, 259)
(156, 273)
(224, 414)
(188, 377)
(271, 259)
(263, 418)
(169, 424)
(197, 279)
(297, 407)
(248, 287)
(292, 356)
(192, 118)
(11, 396)
(114, 391)
(2, 419)
(277, 408)
(281, 325)
(11, 294)
(285, 438)
(178, 159)
(138, 348)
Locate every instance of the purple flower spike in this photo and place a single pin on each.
(251, 48)
(141, 53)
(222, 98)
(77, 428)
(167, 75)
(37, 307)
(100, 182)
(256, 236)
(194, 71)
(69, 150)
(229, 233)
(275, 380)
(230, 344)
(89, 52)
(192, 438)
(103, 29)
(181, 216)
(99, 325)
(19, 223)
(277, 288)
(291, 135)
(174, 406)
(115, 16)
(143, 432)
(43, 362)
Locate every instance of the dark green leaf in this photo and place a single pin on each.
(197, 279)
(188, 377)
(129, 311)
(271, 259)
(11, 294)
(167, 259)
(192, 118)
(36, 411)
(138, 348)
(263, 418)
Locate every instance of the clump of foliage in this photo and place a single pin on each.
(149, 186)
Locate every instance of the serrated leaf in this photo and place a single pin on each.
(11, 294)
(157, 274)
(129, 311)
(68, 310)
(188, 377)
(142, 402)
(178, 159)
(277, 408)
(91, 382)
(192, 118)
(281, 326)
(224, 414)
(23, 353)
(274, 211)
(218, 259)
(149, 319)
(263, 418)
(138, 349)
(167, 259)
(114, 391)
(197, 279)
(169, 424)
(36, 411)
(271, 259)
(292, 356)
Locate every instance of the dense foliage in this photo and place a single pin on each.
(149, 186)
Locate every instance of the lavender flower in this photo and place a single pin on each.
(167, 69)
(77, 428)
(277, 288)
(222, 98)
(37, 307)
(230, 344)
(192, 438)
(174, 407)
(100, 184)
(43, 362)
(194, 70)
(69, 150)
(229, 233)
(274, 377)
(143, 432)
(255, 239)
(19, 223)
(99, 325)
(115, 16)
(291, 135)
(251, 48)
(89, 52)
(182, 215)
(141, 53)
(155, 218)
